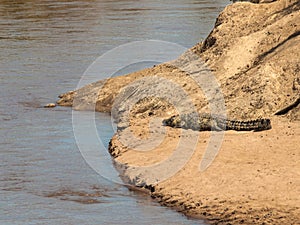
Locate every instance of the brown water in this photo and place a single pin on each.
(45, 46)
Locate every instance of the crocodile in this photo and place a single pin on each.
(207, 122)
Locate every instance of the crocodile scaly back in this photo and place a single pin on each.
(206, 122)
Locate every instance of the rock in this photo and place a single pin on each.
(254, 1)
(50, 105)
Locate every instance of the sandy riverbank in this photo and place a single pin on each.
(253, 180)
(253, 52)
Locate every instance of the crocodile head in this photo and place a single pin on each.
(265, 124)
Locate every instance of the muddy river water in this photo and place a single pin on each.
(45, 47)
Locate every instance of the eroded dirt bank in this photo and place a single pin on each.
(253, 52)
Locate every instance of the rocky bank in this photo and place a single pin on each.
(253, 53)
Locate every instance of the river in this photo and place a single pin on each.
(45, 47)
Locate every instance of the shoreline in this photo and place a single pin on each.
(254, 177)
(252, 185)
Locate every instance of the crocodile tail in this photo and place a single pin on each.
(256, 125)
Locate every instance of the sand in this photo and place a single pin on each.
(255, 178)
